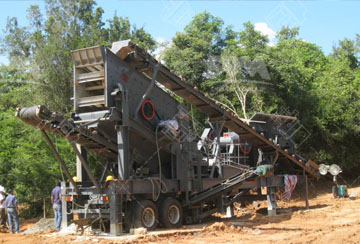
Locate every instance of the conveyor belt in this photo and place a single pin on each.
(43, 119)
(223, 187)
(141, 60)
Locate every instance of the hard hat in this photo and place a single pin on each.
(109, 177)
(2, 189)
(75, 179)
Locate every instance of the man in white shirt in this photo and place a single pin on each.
(2, 207)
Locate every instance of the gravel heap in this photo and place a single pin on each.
(71, 229)
(41, 226)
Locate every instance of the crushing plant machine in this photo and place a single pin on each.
(162, 174)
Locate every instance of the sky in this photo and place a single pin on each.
(321, 22)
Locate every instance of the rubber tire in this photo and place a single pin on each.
(138, 212)
(163, 213)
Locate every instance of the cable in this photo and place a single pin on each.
(350, 185)
(157, 180)
(88, 205)
(192, 116)
(56, 146)
(161, 186)
(354, 181)
(78, 205)
(158, 151)
(242, 176)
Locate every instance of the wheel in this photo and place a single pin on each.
(170, 213)
(145, 215)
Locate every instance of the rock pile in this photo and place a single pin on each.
(41, 226)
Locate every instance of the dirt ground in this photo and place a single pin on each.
(328, 221)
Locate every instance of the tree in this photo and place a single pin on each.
(294, 66)
(251, 42)
(240, 88)
(287, 33)
(347, 51)
(26, 163)
(338, 115)
(203, 39)
(43, 48)
(40, 72)
(121, 29)
(243, 62)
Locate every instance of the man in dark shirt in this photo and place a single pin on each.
(13, 211)
(2, 207)
(56, 201)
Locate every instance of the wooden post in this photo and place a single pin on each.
(306, 190)
(44, 201)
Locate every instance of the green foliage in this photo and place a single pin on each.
(121, 29)
(287, 33)
(43, 48)
(249, 51)
(203, 38)
(338, 116)
(347, 51)
(251, 42)
(26, 163)
(322, 90)
(294, 65)
(40, 72)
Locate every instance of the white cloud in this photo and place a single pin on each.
(160, 39)
(162, 44)
(264, 29)
(4, 60)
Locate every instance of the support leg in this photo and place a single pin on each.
(80, 171)
(271, 201)
(64, 216)
(123, 151)
(221, 204)
(61, 162)
(306, 190)
(115, 212)
(230, 211)
(84, 164)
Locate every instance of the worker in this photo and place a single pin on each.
(107, 180)
(13, 211)
(2, 207)
(56, 202)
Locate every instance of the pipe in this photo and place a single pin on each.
(84, 164)
(61, 162)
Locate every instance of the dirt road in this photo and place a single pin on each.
(327, 221)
